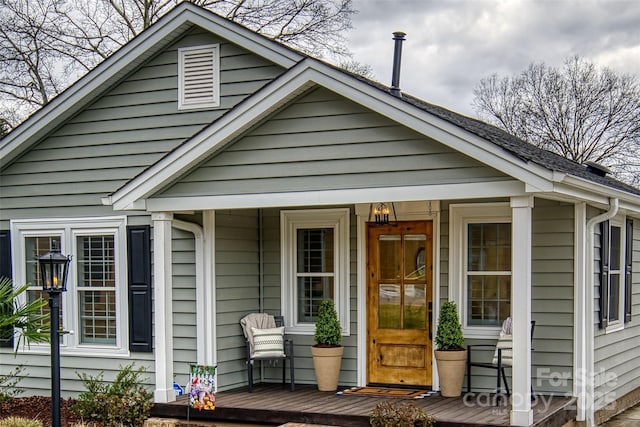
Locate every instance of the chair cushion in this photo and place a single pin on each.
(505, 342)
(268, 343)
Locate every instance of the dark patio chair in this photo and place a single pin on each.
(502, 358)
(266, 343)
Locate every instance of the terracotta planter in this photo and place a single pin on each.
(326, 362)
(451, 367)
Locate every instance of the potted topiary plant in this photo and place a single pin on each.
(451, 356)
(327, 351)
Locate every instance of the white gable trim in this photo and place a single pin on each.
(333, 197)
(129, 57)
(293, 83)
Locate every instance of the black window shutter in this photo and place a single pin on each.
(139, 276)
(6, 334)
(628, 285)
(604, 274)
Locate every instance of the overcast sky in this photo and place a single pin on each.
(452, 44)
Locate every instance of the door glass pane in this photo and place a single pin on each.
(389, 259)
(414, 253)
(415, 306)
(389, 306)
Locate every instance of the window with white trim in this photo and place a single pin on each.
(94, 305)
(199, 77)
(315, 259)
(480, 265)
(615, 273)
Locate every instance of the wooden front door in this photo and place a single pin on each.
(399, 294)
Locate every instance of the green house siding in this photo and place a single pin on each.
(552, 298)
(184, 304)
(122, 133)
(323, 141)
(617, 353)
(237, 271)
(552, 293)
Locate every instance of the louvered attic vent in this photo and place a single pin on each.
(198, 77)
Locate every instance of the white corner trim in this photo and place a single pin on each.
(163, 308)
(580, 303)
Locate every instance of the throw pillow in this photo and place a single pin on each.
(505, 343)
(268, 343)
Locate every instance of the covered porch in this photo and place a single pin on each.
(272, 405)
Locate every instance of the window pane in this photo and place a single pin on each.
(389, 306)
(36, 246)
(96, 261)
(616, 241)
(315, 250)
(489, 299)
(489, 247)
(415, 307)
(98, 317)
(614, 297)
(311, 292)
(96, 269)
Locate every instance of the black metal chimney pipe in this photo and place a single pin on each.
(398, 36)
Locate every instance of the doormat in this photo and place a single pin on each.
(401, 393)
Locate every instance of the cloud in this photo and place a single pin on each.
(452, 44)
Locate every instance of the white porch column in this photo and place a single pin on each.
(521, 412)
(163, 307)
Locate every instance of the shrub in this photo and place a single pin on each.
(449, 333)
(9, 382)
(328, 330)
(400, 414)
(123, 402)
(19, 422)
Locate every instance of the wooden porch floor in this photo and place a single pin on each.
(271, 405)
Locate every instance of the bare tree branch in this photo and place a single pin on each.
(579, 111)
(46, 45)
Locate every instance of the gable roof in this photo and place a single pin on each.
(128, 58)
(539, 170)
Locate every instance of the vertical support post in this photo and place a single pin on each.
(521, 412)
(163, 307)
(54, 312)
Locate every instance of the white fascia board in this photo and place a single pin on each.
(91, 84)
(600, 193)
(338, 197)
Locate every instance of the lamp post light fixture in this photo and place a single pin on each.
(54, 268)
